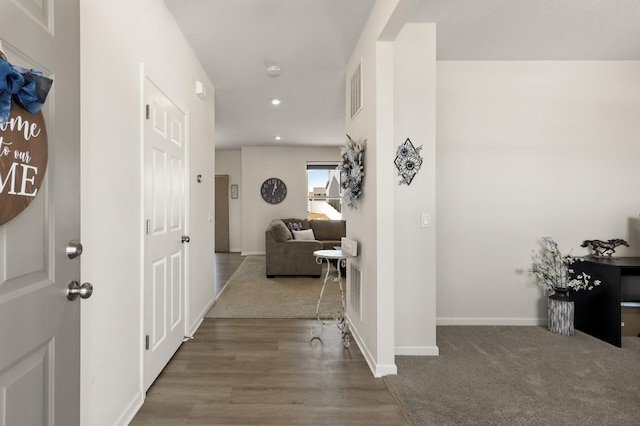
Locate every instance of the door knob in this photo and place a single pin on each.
(74, 290)
(185, 239)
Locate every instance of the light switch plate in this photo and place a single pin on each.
(425, 220)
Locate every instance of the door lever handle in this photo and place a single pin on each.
(185, 239)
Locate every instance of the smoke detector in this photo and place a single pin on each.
(273, 71)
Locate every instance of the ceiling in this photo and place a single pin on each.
(312, 40)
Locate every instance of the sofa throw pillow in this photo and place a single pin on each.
(295, 226)
(305, 234)
(279, 231)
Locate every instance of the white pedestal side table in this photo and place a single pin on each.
(336, 261)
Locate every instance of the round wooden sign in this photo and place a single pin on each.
(23, 161)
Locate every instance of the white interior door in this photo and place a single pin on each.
(39, 327)
(165, 211)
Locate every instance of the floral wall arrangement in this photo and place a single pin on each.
(352, 171)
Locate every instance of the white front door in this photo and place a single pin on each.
(39, 327)
(164, 249)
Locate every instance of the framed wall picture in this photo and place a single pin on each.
(234, 191)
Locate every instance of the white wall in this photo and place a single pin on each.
(117, 37)
(286, 163)
(525, 150)
(229, 162)
(201, 130)
(372, 224)
(415, 246)
(362, 219)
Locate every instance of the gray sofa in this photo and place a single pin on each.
(286, 255)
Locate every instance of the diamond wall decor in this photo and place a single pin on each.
(408, 161)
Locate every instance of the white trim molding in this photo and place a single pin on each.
(378, 370)
(492, 321)
(132, 409)
(253, 253)
(417, 350)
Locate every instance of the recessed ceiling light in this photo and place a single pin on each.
(275, 101)
(273, 71)
(277, 138)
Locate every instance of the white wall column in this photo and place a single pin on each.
(414, 83)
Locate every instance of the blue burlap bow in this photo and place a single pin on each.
(28, 88)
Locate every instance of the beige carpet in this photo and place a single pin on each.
(250, 294)
(521, 376)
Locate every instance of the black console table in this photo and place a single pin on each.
(597, 311)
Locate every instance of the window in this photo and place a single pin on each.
(325, 198)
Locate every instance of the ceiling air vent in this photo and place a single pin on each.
(356, 90)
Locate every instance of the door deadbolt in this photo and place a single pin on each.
(185, 239)
(74, 290)
(74, 249)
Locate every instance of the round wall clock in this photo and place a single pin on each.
(273, 190)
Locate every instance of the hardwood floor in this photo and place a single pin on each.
(225, 265)
(268, 372)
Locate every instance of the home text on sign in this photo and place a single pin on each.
(23, 160)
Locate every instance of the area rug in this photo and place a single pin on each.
(250, 294)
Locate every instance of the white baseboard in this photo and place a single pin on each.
(133, 408)
(200, 317)
(417, 350)
(378, 370)
(196, 326)
(235, 250)
(252, 253)
(385, 370)
(492, 321)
